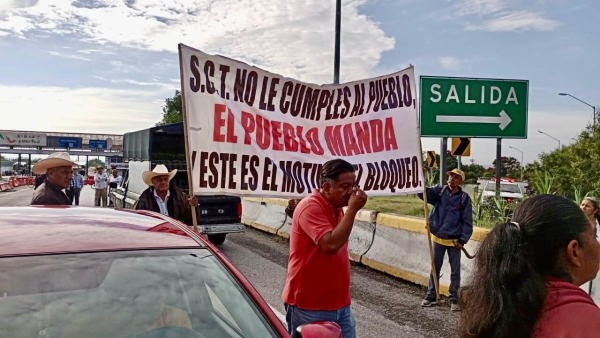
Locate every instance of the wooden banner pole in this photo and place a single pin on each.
(426, 209)
(187, 145)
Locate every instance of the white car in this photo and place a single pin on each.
(510, 191)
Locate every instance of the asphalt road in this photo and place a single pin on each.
(383, 306)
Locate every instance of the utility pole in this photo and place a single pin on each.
(338, 28)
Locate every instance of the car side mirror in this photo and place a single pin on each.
(318, 330)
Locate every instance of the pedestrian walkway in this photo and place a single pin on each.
(86, 199)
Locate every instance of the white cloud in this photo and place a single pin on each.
(498, 16)
(94, 51)
(81, 110)
(169, 86)
(517, 21)
(68, 56)
(294, 38)
(449, 63)
(479, 7)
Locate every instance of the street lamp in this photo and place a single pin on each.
(522, 164)
(587, 104)
(550, 136)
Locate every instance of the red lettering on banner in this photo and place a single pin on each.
(276, 130)
(289, 138)
(376, 135)
(390, 136)
(361, 137)
(231, 138)
(350, 141)
(219, 122)
(248, 125)
(333, 138)
(312, 136)
(263, 134)
(303, 148)
(268, 134)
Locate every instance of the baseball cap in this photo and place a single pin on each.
(457, 172)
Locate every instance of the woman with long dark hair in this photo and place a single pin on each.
(528, 272)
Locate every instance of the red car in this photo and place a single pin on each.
(100, 272)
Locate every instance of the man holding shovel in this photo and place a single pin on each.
(451, 226)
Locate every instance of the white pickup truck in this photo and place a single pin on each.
(510, 189)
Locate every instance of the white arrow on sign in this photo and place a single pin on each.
(503, 120)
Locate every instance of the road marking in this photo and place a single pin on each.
(279, 315)
(503, 120)
(13, 192)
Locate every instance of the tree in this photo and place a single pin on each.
(95, 162)
(575, 169)
(509, 166)
(172, 110)
(473, 172)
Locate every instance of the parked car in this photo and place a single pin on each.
(510, 189)
(91, 272)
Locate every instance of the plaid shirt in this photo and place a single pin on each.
(77, 181)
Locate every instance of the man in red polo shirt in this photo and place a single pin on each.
(318, 279)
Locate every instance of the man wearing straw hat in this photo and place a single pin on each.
(101, 183)
(451, 225)
(163, 198)
(58, 169)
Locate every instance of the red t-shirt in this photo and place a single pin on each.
(315, 279)
(568, 312)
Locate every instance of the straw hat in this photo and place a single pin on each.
(159, 170)
(60, 159)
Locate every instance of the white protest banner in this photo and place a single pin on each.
(8, 138)
(255, 133)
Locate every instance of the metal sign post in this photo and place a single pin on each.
(498, 165)
(443, 160)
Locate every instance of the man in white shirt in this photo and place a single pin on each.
(101, 182)
(115, 179)
(162, 197)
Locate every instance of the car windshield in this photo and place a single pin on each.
(510, 188)
(143, 294)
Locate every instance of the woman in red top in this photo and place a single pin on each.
(528, 272)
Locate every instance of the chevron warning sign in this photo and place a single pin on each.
(461, 146)
(431, 159)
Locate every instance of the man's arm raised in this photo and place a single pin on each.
(332, 241)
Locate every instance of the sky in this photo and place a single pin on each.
(106, 66)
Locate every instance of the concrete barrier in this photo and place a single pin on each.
(266, 214)
(396, 245)
(6, 186)
(401, 249)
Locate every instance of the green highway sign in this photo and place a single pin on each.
(465, 107)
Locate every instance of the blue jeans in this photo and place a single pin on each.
(438, 259)
(343, 317)
(76, 193)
